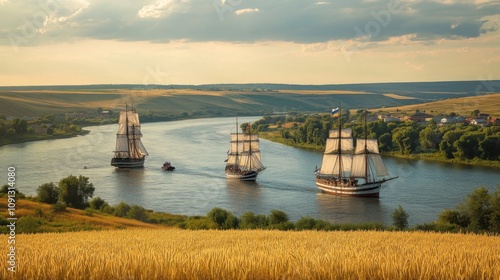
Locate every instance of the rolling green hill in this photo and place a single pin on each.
(216, 100)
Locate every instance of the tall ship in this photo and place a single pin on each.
(350, 170)
(129, 151)
(243, 158)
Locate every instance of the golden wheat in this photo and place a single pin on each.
(182, 254)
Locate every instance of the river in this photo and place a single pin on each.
(197, 148)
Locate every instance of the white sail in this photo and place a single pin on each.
(128, 137)
(243, 143)
(251, 145)
(376, 167)
(231, 159)
(330, 164)
(332, 145)
(345, 133)
(371, 146)
(379, 166)
(250, 161)
(244, 152)
(358, 168)
(236, 147)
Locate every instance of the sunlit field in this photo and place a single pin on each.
(183, 254)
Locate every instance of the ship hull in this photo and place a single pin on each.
(127, 162)
(247, 176)
(364, 190)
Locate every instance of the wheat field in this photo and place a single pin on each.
(182, 254)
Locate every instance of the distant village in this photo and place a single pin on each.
(482, 120)
(479, 119)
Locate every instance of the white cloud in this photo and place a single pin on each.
(322, 3)
(246, 11)
(3, 2)
(157, 9)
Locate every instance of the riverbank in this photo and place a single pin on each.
(275, 136)
(38, 137)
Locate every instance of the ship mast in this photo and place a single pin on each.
(250, 145)
(366, 151)
(127, 133)
(340, 141)
(237, 151)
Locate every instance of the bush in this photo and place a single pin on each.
(137, 213)
(400, 218)
(305, 223)
(277, 217)
(453, 217)
(28, 224)
(108, 209)
(121, 209)
(218, 216)
(283, 226)
(197, 222)
(437, 227)
(248, 221)
(58, 207)
(97, 203)
(231, 222)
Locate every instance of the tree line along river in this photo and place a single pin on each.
(197, 148)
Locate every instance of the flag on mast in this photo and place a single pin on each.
(335, 112)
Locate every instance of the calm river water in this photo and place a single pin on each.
(197, 148)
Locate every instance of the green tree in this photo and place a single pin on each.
(406, 138)
(400, 218)
(218, 216)
(137, 212)
(429, 138)
(21, 126)
(277, 217)
(453, 217)
(305, 223)
(468, 145)
(121, 209)
(478, 209)
(248, 220)
(385, 141)
(48, 193)
(11, 132)
(495, 213)
(75, 191)
(97, 203)
(489, 148)
(232, 222)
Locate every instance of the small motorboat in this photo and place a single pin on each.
(167, 166)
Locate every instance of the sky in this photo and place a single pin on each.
(68, 42)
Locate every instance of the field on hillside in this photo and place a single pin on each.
(489, 104)
(182, 254)
(69, 220)
(25, 102)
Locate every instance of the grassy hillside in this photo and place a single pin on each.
(489, 104)
(254, 254)
(48, 220)
(31, 102)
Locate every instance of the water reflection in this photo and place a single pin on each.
(244, 196)
(341, 209)
(129, 184)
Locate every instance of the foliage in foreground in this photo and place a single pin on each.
(478, 213)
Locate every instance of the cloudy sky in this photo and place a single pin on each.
(46, 42)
